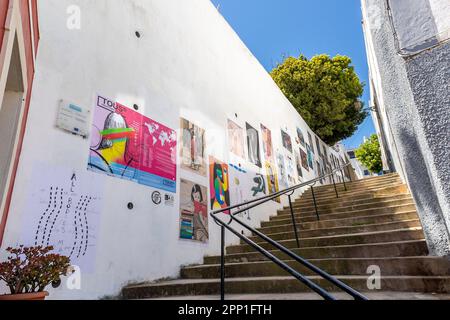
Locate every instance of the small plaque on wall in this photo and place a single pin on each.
(73, 118)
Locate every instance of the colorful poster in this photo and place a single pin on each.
(219, 185)
(304, 157)
(272, 180)
(193, 147)
(300, 137)
(193, 211)
(283, 180)
(236, 139)
(298, 163)
(63, 210)
(267, 144)
(310, 157)
(127, 145)
(287, 141)
(319, 149)
(290, 171)
(245, 186)
(254, 154)
(310, 142)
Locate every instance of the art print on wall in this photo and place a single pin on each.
(267, 144)
(298, 164)
(283, 179)
(287, 141)
(219, 185)
(254, 154)
(272, 180)
(310, 142)
(128, 145)
(193, 211)
(304, 158)
(300, 137)
(290, 171)
(236, 139)
(64, 208)
(193, 148)
(310, 157)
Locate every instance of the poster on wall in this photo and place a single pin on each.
(193, 211)
(298, 164)
(193, 147)
(127, 145)
(310, 157)
(236, 139)
(304, 158)
(267, 144)
(300, 137)
(245, 186)
(63, 210)
(290, 170)
(219, 185)
(254, 154)
(272, 180)
(310, 142)
(283, 179)
(287, 141)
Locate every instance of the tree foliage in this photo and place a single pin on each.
(369, 154)
(326, 92)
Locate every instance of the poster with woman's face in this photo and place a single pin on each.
(287, 141)
(254, 154)
(193, 211)
(192, 150)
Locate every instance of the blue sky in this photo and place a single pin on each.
(272, 29)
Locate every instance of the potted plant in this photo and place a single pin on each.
(29, 270)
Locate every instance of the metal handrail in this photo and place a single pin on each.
(257, 202)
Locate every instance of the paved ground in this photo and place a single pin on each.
(312, 296)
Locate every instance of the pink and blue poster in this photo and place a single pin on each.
(128, 145)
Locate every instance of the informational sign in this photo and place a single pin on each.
(73, 118)
(63, 210)
(128, 145)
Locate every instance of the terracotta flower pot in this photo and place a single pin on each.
(38, 296)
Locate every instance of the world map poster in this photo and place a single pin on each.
(128, 145)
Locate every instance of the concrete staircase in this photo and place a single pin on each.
(373, 223)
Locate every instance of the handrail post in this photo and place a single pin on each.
(293, 222)
(343, 179)
(315, 203)
(334, 183)
(349, 175)
(222, 264)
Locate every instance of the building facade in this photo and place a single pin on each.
(145, 115)
(409, 59)
(19, 39)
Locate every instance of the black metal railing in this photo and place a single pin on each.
(260, 201)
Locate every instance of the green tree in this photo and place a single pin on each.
(369, 154)
(326, 92)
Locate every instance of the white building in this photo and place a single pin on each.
(150, 64)
(409, 59)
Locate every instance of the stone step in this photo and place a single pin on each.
(348, 239)
(366, 203)
(373, 250)
(357, 195)
(337, 216)
(324, 214)
(340, 230)
(189, 287)
(361, 182)
(400, 266)
(352, 187)
(345, 222)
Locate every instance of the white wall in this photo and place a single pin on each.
(188, 63)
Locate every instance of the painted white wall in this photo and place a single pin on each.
(188, 63)
(418, 21)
